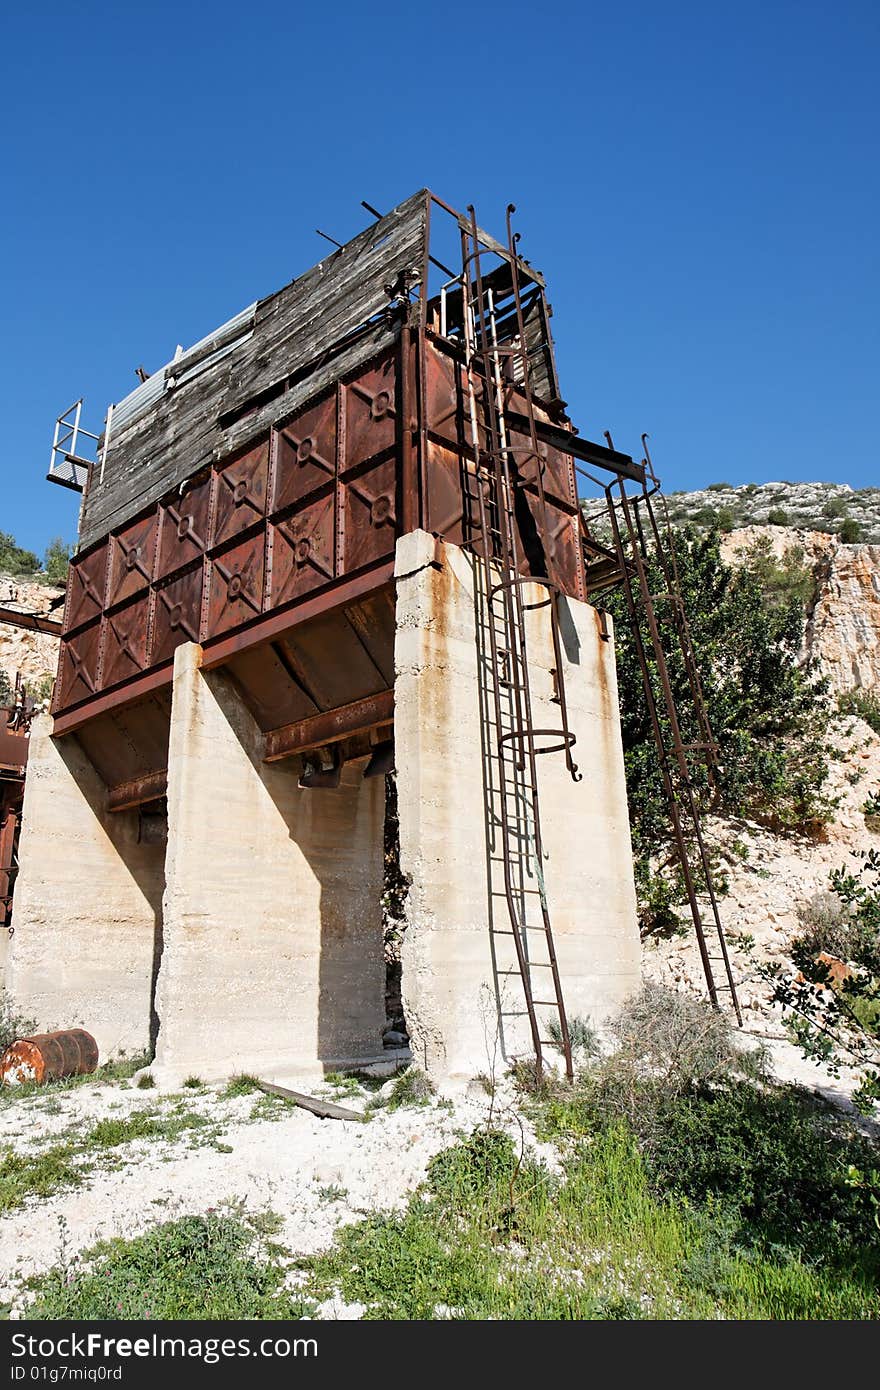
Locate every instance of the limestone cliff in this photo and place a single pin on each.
(843, 621)
(34, 654)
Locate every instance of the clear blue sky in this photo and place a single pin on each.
(699, 182)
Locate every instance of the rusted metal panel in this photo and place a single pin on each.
(185, 527)
(79, 673)
(269, 686)
(444, 403)
(242, 487)
(370, 414)
(132, 558)
(178, 614)
(303, 551)
(305, 454)
(236, 592)
(128, 742)
(560, 544)
(49, 1057)
(332, 660)
(138, 791)
(86, 587)
(367, 521)
(445, 485)
(125, 641)
(320, 729)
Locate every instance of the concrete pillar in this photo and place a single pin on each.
(87, 903)
(272, 960)
(461, 986)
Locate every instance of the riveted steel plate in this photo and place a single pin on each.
(370, 415)
(236, 585)
(185, 527)
(305, 454)
(132, 556)
(85, 588)
(80, 665)
(446, 482)
(303, 551)
(241, 489)
(125, 641)
(368, 521)
(561, 544)
(177, 615)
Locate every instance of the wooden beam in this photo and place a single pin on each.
(329, 727)
(150, 787)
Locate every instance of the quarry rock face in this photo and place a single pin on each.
(34, 654)
(843, 623)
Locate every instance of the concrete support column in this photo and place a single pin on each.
(273, 959)
(87, 903)
(462, 989)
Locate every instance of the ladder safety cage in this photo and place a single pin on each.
(511, 738)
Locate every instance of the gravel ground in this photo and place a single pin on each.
(316, 1174)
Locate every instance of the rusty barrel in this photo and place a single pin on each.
(49, 1057)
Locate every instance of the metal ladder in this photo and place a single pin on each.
(510, 738)
(629, 518)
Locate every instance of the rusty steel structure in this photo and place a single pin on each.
(15, 719)
(249, 497)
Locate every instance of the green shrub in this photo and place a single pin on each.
(719, 487)
(411, 1087)
(777, 1162)
(196, 1267)
(777, 516)
(835, 507)
(850, 531)
(864, 704)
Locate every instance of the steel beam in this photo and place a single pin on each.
(329, 727)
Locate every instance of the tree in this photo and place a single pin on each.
(15, 560)
(766, 712)
(57, 560)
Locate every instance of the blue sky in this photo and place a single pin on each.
(699, 183)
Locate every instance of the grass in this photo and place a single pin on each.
(61, 1164)
(491, 1237)
(222, 1265)
(36, 1175)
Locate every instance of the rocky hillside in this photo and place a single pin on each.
(843, 612)
(34, 654)
(834, 508)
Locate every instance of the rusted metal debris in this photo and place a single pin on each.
(49, 1057)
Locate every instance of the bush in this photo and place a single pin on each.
(850, 532)
(777, 516)
(834, 507)
(864, 704)
(719, 487)
(726, 520)
(777, 1162)
(196, 1267)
